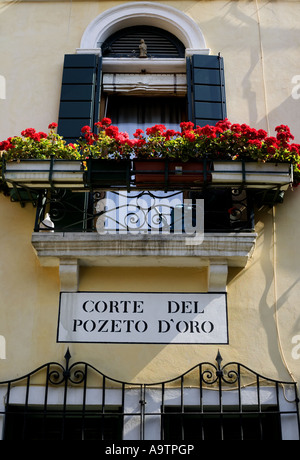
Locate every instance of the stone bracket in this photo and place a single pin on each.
(69, 275)
(217, 276)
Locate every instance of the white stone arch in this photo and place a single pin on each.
(144, 13)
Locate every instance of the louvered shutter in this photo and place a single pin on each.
(206, 89)
(80, 94)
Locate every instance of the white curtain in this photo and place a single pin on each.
(132, 112)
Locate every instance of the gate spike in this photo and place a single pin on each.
(219, 359)
(67, 356)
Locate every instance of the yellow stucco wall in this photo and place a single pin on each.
(260, 43)
(30, 298)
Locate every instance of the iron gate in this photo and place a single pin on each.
(208, 402)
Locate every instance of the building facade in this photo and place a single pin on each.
(115, 321)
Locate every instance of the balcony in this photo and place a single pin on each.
(203, 227)
(153, 213)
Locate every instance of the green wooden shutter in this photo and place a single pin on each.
(80, 94)
(206, 89)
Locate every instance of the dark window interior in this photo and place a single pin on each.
(232, 424)
(75, 423)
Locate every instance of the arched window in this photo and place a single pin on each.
(151, 53)
(143, 97)
(157, 43)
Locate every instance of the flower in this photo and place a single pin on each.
(138, 133)
(186, 126)
(38, 145)
(225, 140)
(29, 132)
(103, 123)
(156, 130)
(53, 126)
(86, 129)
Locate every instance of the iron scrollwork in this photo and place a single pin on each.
(141, 211)
(213, 374)
(68, 374)
(137, 212)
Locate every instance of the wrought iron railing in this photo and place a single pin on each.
(208, 402)
(147, 212)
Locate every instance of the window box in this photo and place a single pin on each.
(44, 173)
(254, 174)
(107, 173)
(160, 171)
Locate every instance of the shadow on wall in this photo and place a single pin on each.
(243, 38)
(270, 303)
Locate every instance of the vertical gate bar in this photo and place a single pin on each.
(84, 403)
(103, 407)
(240, 403)
(6, 408)
(85, 211)
(123, 409)
(220, 405)
(278, 406)
(92, 205)
(25, 408)
(66, 377)
(181, 407)
(46, 401)
(201, 402)
(8, 393)
(259, 407)
(297, 408)
(162, 416)
(142, 420)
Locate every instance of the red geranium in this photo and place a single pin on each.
(223, 125)
(29, 132)
(186, 126)
(112, 131)
(6, 145)
(156, 130)
(138, 133)
(103, 123)
(52, 126)
(85, 129)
